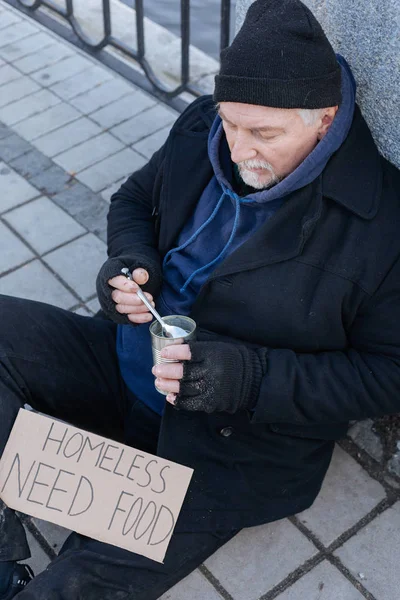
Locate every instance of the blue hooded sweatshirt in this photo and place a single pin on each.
(221, 222)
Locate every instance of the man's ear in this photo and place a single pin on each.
(326, 121)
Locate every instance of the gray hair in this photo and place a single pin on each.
(310, 115)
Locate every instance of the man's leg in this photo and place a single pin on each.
(92, 570)
(63, 365)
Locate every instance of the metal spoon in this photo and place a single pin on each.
(170, 331)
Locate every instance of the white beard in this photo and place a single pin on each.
(252, 179)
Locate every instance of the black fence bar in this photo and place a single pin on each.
(32, 6)
(225, 23)
(140, 28)
(69, 6)
(185, 41)
(96, 47)
(106, 18)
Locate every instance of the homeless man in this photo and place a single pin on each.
(270, 218)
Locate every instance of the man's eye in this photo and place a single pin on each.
(267, 138)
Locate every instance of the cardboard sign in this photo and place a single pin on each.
(92, 485)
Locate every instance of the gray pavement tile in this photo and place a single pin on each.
(4, 131)
(102, 95)
(52, 181)
(13, 252)
(65, 68)
(35, 282)
(28, 45)
(43, 224)
(46, 121)
(152, 143)
(39, 559)
(258, 558)
(28, 106)
(114, 187)
(43, 58)
(362, 433)
(111, 169)
(13, 146)
(31, 163)
(324, 582)
(144, 124)
(82, 82)
(346, 485)
(93, 305)
(90, 253)
(66, 137)
(17, 89)
(93, 150)
(85, 206)
(394, 462)
(8, 73)
(8, 18)
(16, 32)
(83, 312)
(374, 552)
(14, 189)
(122, 109)
(54, 534)
(102, 233)
(193, 587)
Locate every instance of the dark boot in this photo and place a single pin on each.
(21, 576)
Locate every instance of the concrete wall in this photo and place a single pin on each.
(367, 34)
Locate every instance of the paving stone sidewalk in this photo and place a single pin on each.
(70, 132)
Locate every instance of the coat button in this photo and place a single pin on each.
(226, 431)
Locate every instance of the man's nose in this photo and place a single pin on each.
(242, 149)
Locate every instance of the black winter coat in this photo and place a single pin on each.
(318, 285)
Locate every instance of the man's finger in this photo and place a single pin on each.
(169, 371)
(141, 276)
(128, 298)
(127, 309)
(168, 385)
(122, 283)
(140, 318)
(171, 398)
(180, 352)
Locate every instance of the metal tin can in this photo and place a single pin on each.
(159, 341)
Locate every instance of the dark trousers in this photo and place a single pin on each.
(65, 365)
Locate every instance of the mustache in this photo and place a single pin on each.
(255, 164)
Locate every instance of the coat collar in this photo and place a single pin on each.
(282, 237)
(353, 176)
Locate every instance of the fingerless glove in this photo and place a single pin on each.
(111, 268)
(221, 377)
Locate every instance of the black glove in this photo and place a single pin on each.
(221, 377)
(111, 268)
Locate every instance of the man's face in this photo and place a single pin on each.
(267, 143)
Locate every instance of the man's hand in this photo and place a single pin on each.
(213, 377)
(169, 374)
(125, 298)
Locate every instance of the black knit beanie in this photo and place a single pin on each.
(280, 58)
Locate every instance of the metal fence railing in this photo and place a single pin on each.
(69, 28)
